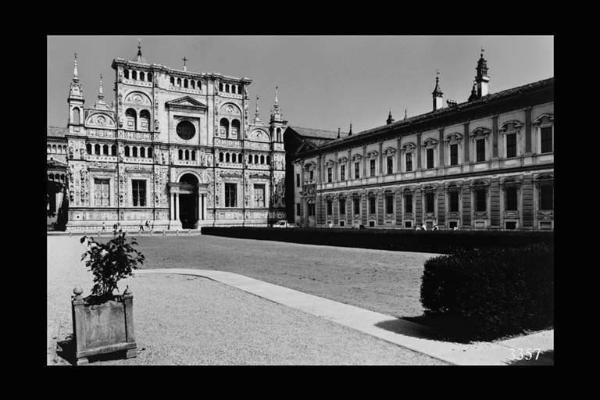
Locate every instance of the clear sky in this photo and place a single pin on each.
(324, 82)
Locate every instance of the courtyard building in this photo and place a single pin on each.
(176, 149)
(486, 163)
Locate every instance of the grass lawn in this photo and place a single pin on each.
(384, 281)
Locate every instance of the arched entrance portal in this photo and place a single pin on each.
(188, 201)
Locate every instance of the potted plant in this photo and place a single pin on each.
(103, 321)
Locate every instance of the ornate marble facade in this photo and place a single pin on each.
(177, 149)
(487, 163)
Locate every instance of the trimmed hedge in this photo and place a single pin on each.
(498, 291)
(389, 239)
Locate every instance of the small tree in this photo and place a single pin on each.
(110, 262)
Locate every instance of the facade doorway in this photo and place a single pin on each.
(188, 201)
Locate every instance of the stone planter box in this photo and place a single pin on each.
(103, 328)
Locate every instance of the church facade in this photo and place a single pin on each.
(486, 163)
(176, 150)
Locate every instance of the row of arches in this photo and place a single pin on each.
(57, 177)
(138, 151)
(138, 76)
(186, 83)
(230, 88)
(187, 154)
(238, 158)
(230, 130)
(131, 120)
(56, 149)
(130, 151)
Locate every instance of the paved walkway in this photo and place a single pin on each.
(390, 329)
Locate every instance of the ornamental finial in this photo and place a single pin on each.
(139, 52)
(75, 72)
(101, 89)
(184, 61)
(276, 99)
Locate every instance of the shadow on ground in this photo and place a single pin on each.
(65, 351)
(443, 327)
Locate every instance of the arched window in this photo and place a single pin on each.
(173, 81)
(134, 151)
(131, 119)
(224, 127)
(187, 154)
(220, 157)
(235, 128)
(180, 154)
(179, 82)
(149, 152)
(149, 76)
(199, 85)
(233, 158)
(105, 149)
(226, 157)
(228, 88)
(279, 134)
(113, 150)
(126, 151)
(185, 83)
(193, 153)
(220, 87)
(142, 76)
(249, 158)
(262, 159)
(49, 149)
(54, 148)
(97, 149)
(239, 90)
(143, 152)
(126, 73)
(193, 84)
(133, 75)
(256, 159)
(76, 116)
(145, 120)
(268, 160)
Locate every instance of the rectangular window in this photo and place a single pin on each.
(311, 175)
(297, 180)
(480, 200)
(259, 195)
(389, 203)
(139, 192)
(453, 224)
(408, 162)
(343, 173)
(510, 200)
(511, 145)
(390, 165)
(429, 158)
(342, 206)
(480, 150)
(297, 209)
(371, 167)
(510, 225)
(453, 201)
(454, 154)
(311, 209)
(408, 224)
(357, 170)
(546, 197)
(408, 203)
(329, 207)
(231, 195)
(102, 192)
(546, 139)
(371, 205)
(356, 203)
(329, 174)
(429, 202)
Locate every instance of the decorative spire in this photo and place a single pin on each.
(75, 72)
(184, 61)
(256, 113)
(139, 52)
(350, 131)
(482, 67)
(100, 90)
(276, 99)
(276, 113)
(482, 79)
(390, 119)
(405, 113)
(437, 91)
(473, 95)
(338, 136)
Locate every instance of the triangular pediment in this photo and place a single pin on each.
(187, 102)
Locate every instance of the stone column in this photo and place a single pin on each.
(172, 208)
(200, 209)
(177, 216)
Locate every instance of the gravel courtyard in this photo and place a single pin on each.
(388, 282)
(195, 321)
